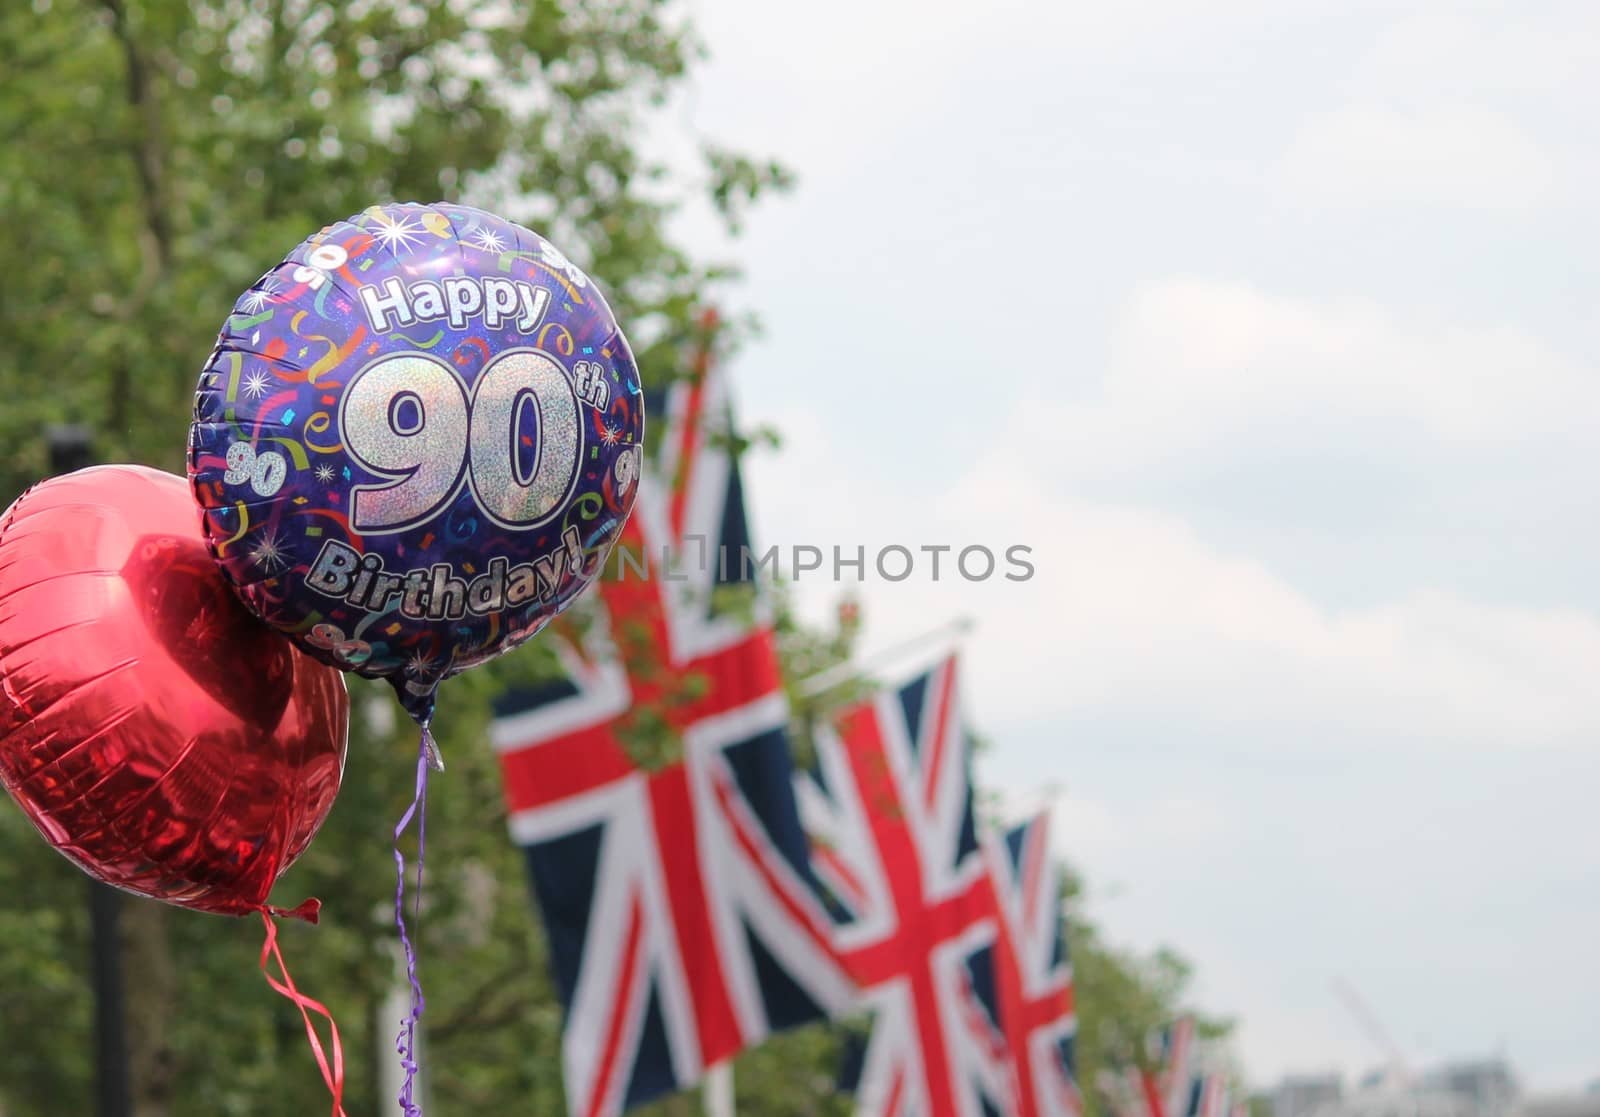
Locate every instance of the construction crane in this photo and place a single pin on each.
(1399, 1072)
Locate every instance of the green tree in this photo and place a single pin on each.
(1122, 998)
(157, 156)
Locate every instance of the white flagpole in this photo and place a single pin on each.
(716, 1091)
(844, 672)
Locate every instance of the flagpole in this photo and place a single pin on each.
(824, 681)
(716, 1092)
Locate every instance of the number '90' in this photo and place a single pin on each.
(408, 419)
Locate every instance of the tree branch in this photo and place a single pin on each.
(149, 160)
(477, 1012)
(149, 154)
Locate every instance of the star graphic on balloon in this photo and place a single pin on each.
(255, 384)
(610, 435)
(269, 553)
(490, 241)
(418, 664)
(396, 235)
(324, 473)
(203, 629)
(256, 299)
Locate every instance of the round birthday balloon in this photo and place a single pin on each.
(416, 441)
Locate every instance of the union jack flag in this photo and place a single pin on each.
(1032, 970)
(1121, 1093)
(889, 812)
(1208, 1096)
(1169, 1085)
(683, 920)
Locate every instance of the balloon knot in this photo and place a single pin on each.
(308, 911)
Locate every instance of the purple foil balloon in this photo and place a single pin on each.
(416, 441)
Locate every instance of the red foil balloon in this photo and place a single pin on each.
(154, 731)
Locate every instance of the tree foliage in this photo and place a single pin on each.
(155, 157)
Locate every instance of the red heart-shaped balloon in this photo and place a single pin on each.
(154, 731)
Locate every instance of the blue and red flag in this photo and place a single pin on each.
(889, 812)
(1166, 1087)
(683, 920)
(1033, 973)
(1175, 1060)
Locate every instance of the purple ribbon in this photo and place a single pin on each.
(406, 1042)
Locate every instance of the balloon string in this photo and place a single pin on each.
(406, 1043)
(333, 1075)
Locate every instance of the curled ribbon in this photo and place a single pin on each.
(296, 451)
(473, 343)
(335, 353)
(235, 361)
(587, 507)
(354, 247)
(406, 1042)
(240, 324)
(332, 1072)
(564, 335)
(306, 624)
(317, 423)
(429, 344)
(244, 526)
(539, 261)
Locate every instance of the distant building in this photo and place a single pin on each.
(1476, 1088)
(1301, 1095)
(1487, 1083)
(1389, 1101)
(1561, 1105)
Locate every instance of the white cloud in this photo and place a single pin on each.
(1449, 716)
(1455, 108)
(1464, 157)
(1084, 829)
(838, 80)
(1202, 363)
(1304, 721)
(1130, 606)
(1455, 54)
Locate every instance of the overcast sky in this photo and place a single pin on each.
(1271, 328)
